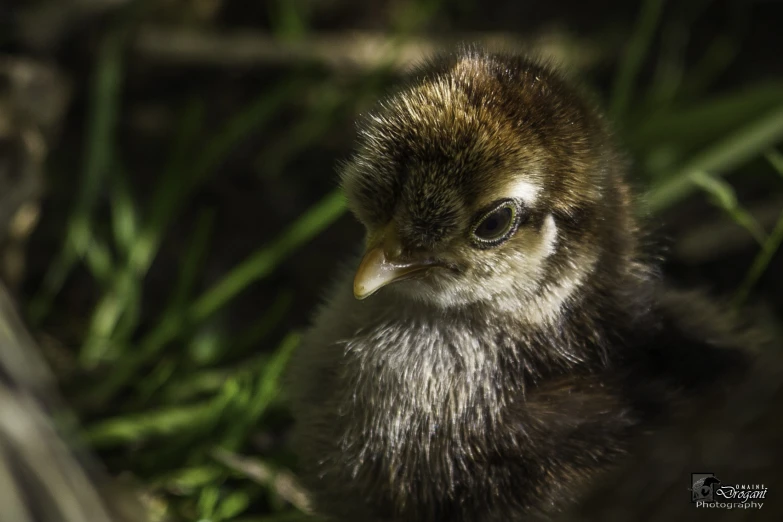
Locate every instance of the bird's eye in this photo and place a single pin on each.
(496, 225)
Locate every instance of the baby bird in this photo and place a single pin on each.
(504, 337)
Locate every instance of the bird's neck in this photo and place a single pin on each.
(420, 387)
(429, 349)
(424, 384)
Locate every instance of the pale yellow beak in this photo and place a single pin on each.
(383, 264)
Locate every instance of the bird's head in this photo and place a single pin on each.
(487, 179)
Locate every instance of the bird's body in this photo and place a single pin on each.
(527, 339)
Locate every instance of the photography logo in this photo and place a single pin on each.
(707, 491)
(704, 486)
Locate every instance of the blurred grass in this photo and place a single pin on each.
(634, 58)
(769, 247)
(79, 239)
(167, 391)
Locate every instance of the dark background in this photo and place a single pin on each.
(179, 157)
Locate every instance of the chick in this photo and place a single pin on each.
(504, 338)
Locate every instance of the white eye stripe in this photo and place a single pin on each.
(549, 235)
(523, 190)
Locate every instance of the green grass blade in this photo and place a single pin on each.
(723, 196)
(265, 260)
(190, 478)
(697, 125)
(99, 150)
(100, 342)
(266, 323)
(769, 248)
(206, 381)
(138, 427)
(96, 256)
(259, 265)
(169, 191)
(164, 422)
(760, 264)
(775, 158)
(104, 112)
(318, 121)
(725, 155)
(124, 214)
(634, 58)
(193, 261)
(291, 516)
(184, 177)
(232, 505)
(287, 20)
(267, 387)
(121, 298)
(167, 330)
(208, 502)
(172, 191)
(721, 52)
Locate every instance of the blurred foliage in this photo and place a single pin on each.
(159, 393)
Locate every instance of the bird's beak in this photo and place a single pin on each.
(383, 264)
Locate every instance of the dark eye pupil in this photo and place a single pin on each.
(495, 224)
(491, 224)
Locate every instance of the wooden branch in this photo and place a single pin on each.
(43, 468)
(282, 482)
(341, 51)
